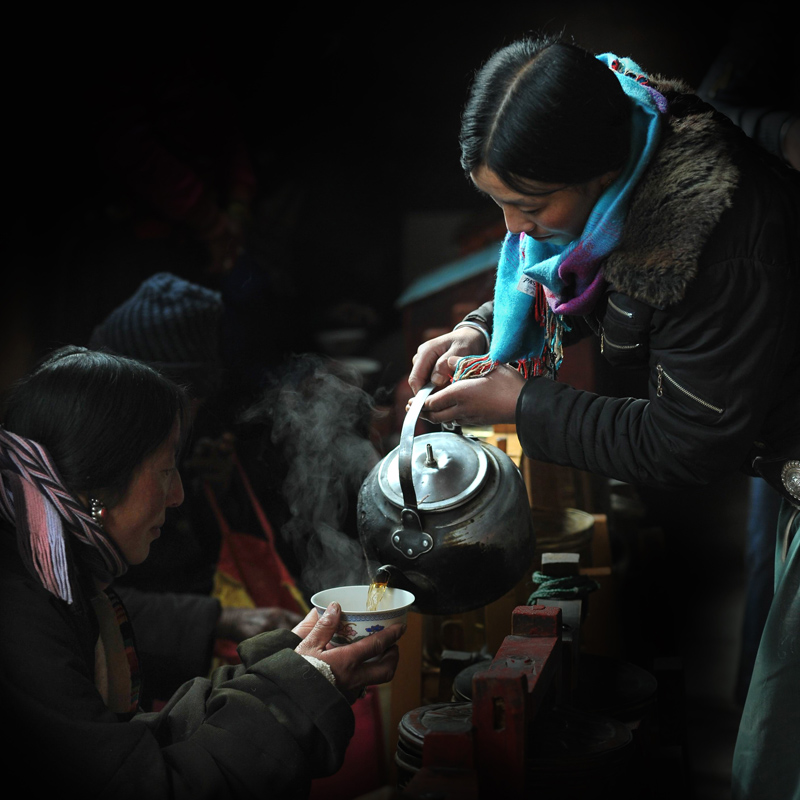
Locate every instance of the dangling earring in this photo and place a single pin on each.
(97, 510)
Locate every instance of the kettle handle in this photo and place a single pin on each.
(406, 447)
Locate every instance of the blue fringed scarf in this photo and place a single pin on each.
(540, 282)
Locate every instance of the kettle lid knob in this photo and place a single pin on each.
(447, 470)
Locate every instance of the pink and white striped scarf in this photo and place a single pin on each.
(50, 520)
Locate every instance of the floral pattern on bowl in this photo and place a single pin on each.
(356, 622)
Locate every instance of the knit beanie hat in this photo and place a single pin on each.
(171, 324)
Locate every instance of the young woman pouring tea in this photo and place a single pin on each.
(639, 215)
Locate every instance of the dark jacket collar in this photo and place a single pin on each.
(678, 202)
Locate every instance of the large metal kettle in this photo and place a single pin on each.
(447, 517)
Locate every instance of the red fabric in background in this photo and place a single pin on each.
(365, 768)
(253, 561)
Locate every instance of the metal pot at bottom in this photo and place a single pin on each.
(573, 754)
(450, 717)
(606, 686)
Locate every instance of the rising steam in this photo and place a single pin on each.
(319, 420)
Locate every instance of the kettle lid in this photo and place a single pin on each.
(447, 469)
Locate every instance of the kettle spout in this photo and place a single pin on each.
(394, 576)
(387, 574)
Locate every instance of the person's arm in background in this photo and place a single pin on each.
(175, 634)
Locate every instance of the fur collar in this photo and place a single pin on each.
(677, 204)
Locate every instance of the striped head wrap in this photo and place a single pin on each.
(34, 499)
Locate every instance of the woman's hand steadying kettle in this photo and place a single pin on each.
(488, 400)
(433, 362)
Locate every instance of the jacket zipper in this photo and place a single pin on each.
(613, 305)
(662, 374)
(602, 332)
(604, 342)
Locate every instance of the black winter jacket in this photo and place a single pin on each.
(703, 290)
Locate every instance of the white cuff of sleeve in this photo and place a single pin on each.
(322, 667)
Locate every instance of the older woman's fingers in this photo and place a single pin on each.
(304, 627)
(365, 661)
(320, 635)
(382, 669)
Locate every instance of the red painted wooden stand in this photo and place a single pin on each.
(525, 676)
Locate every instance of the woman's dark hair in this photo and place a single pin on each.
(98, 415)
(545, 110)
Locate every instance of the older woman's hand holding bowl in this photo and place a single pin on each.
(368, 658)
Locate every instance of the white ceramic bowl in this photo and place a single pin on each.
(356, 622)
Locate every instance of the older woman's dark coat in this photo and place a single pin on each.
(262, 729)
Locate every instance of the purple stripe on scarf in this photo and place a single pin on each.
(47, 542)
(58, 554)
(48, 511)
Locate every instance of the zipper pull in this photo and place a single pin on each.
(602, 342)
(660, 384)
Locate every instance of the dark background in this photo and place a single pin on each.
(352, 121)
